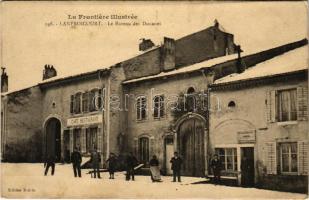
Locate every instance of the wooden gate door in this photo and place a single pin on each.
(191, 147)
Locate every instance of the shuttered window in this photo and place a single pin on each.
(85, 101)
(271, 157)
(288, 157)
(77, 103)
(287, 105)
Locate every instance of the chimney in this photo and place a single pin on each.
(4, 80)
(239, 66)
(145, 44)
(49, 72)
(168, 54)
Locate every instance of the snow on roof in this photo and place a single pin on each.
(291, 61)
(197, 66)
(190, 68)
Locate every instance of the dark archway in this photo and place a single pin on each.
(53, 138)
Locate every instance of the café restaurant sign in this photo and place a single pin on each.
(78, 121)
(246, 136)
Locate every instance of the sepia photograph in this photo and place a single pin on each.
(154, 100)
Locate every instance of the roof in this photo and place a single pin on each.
(291, 61)
(199, 66)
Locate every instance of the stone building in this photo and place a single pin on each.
(259, 123)
(153, 103)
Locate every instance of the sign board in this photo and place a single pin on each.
(78, 121)
(246, 136)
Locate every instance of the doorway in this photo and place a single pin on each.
(169, 152)
(53, 138)
(247, 166)
(66, 146)
(191, 147)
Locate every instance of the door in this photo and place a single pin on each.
(53, 138)
(247, 166)
(66, 141)
(169, 152)
(191, 147)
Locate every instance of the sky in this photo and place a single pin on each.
(27, 43)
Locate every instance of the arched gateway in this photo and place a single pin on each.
(53, 138)
(192, 144)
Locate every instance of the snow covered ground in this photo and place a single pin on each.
(27, 180)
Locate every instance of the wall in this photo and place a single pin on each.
(157, 128)
(203, 45)
(60, 96)
(23, 134)
(250, 113)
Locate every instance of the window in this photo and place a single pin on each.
(158, 106)
(287, 105)
(231, 104)
(190, 99)
(85, 100)
(288, 157)
(141, 108)
(91, 139)
(77, 138)
(228, 157)
(95, 99)
(143, 150)
(77, 108)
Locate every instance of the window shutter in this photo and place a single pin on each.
(135, 146)
(302, 103)
(99, 142)
(302, 157)
(271, 106)
(271, 157)
(83, 137)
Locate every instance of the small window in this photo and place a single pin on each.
(288, 157)
(141, 106)
(158, 106)
(232, 104)
(228, 157)
(287, 105)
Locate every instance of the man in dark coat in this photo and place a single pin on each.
(131, 162)
(96, 160)
(176, 166)
(50, 162)
(111, 165)
(216, 166)
(76, 159)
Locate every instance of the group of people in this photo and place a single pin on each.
(131, 164)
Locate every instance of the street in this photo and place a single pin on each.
(27, 180)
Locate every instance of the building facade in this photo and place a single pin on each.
(155, 103)
(259, 123)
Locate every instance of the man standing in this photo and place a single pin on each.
(112, 162)
(76, 159)
(50, 162)
(131, 162)
(176, 166)
(96, 159)
(216, 168)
